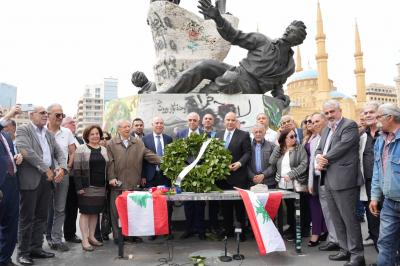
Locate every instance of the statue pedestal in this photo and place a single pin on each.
(174, 108)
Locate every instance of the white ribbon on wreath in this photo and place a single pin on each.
(187, 169)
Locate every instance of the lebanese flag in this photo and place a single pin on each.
(261, 209)
(142, 213)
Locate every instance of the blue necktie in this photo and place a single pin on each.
(159, 146)
(258, 158)
(227, 140)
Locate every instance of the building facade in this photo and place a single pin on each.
(382, 93)
(90, 109)
(8, 95)
(110, 86)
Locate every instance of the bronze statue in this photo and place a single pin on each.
(266, 68)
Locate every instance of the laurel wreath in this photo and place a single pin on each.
(212, 167)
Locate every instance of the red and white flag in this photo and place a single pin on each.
(261, 209)
(142, 213)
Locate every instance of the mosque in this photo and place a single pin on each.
(309, 89)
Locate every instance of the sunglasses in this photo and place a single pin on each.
(59, 115)
(106, 138)
(292, 136)
(308, 121)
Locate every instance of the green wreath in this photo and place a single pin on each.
(213, 165)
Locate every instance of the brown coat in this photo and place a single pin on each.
(126, 163)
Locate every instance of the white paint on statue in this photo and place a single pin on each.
(181, 38)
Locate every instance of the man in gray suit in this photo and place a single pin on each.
(44, 164)
(338, 160)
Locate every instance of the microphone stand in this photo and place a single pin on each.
(225, 258)
(238, 256)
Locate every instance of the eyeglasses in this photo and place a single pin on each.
(59, 115)
(42, 113)
(285, 122)
(308, 121)
(382, 115)
(292, 136)
(106, 138)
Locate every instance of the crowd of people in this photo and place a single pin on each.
(338, 167)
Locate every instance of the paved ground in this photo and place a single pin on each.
(153, 253)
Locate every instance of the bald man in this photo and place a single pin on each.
(237, 142)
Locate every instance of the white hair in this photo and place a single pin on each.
(120, 122)
(373, 104)
(331, 103)
(51, 106)
(390, 109)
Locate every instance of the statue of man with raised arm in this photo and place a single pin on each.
(266, 68)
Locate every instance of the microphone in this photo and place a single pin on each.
(225, 258)
(238, 256)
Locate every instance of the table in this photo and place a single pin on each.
(234, 195)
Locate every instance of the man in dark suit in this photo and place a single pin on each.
(337, 158)
(9, 194)
(259, 170)
(194, 210)
(238, 144)
(71, 208)
(44, 163)
(152, 176)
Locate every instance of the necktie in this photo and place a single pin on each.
(159, 146)
(227, 140)
(10, 165)
(258, 158)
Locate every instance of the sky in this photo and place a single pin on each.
(51, 49)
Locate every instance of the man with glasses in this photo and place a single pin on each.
(44, 165)
(386, 184)
(337, 158)
(66, 142)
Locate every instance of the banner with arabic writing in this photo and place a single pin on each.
(174, 108)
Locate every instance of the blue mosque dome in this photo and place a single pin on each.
(306, 74)
(337, 94)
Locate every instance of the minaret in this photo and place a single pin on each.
(397, 80)
(324, 87)
(298, 60)
(359, 71)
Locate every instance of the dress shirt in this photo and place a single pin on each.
(197, 131)
(41, 134)
(259, 158)
(156, 141)
(226, 135)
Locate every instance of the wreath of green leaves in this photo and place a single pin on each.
(213, 165)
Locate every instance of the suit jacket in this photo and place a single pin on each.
(343, 170)
(268, 170)
(313, 180)
(32, 168)
(4, 154)
(149, 170)
(299, 133)
(184, 133)
(240, 149)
